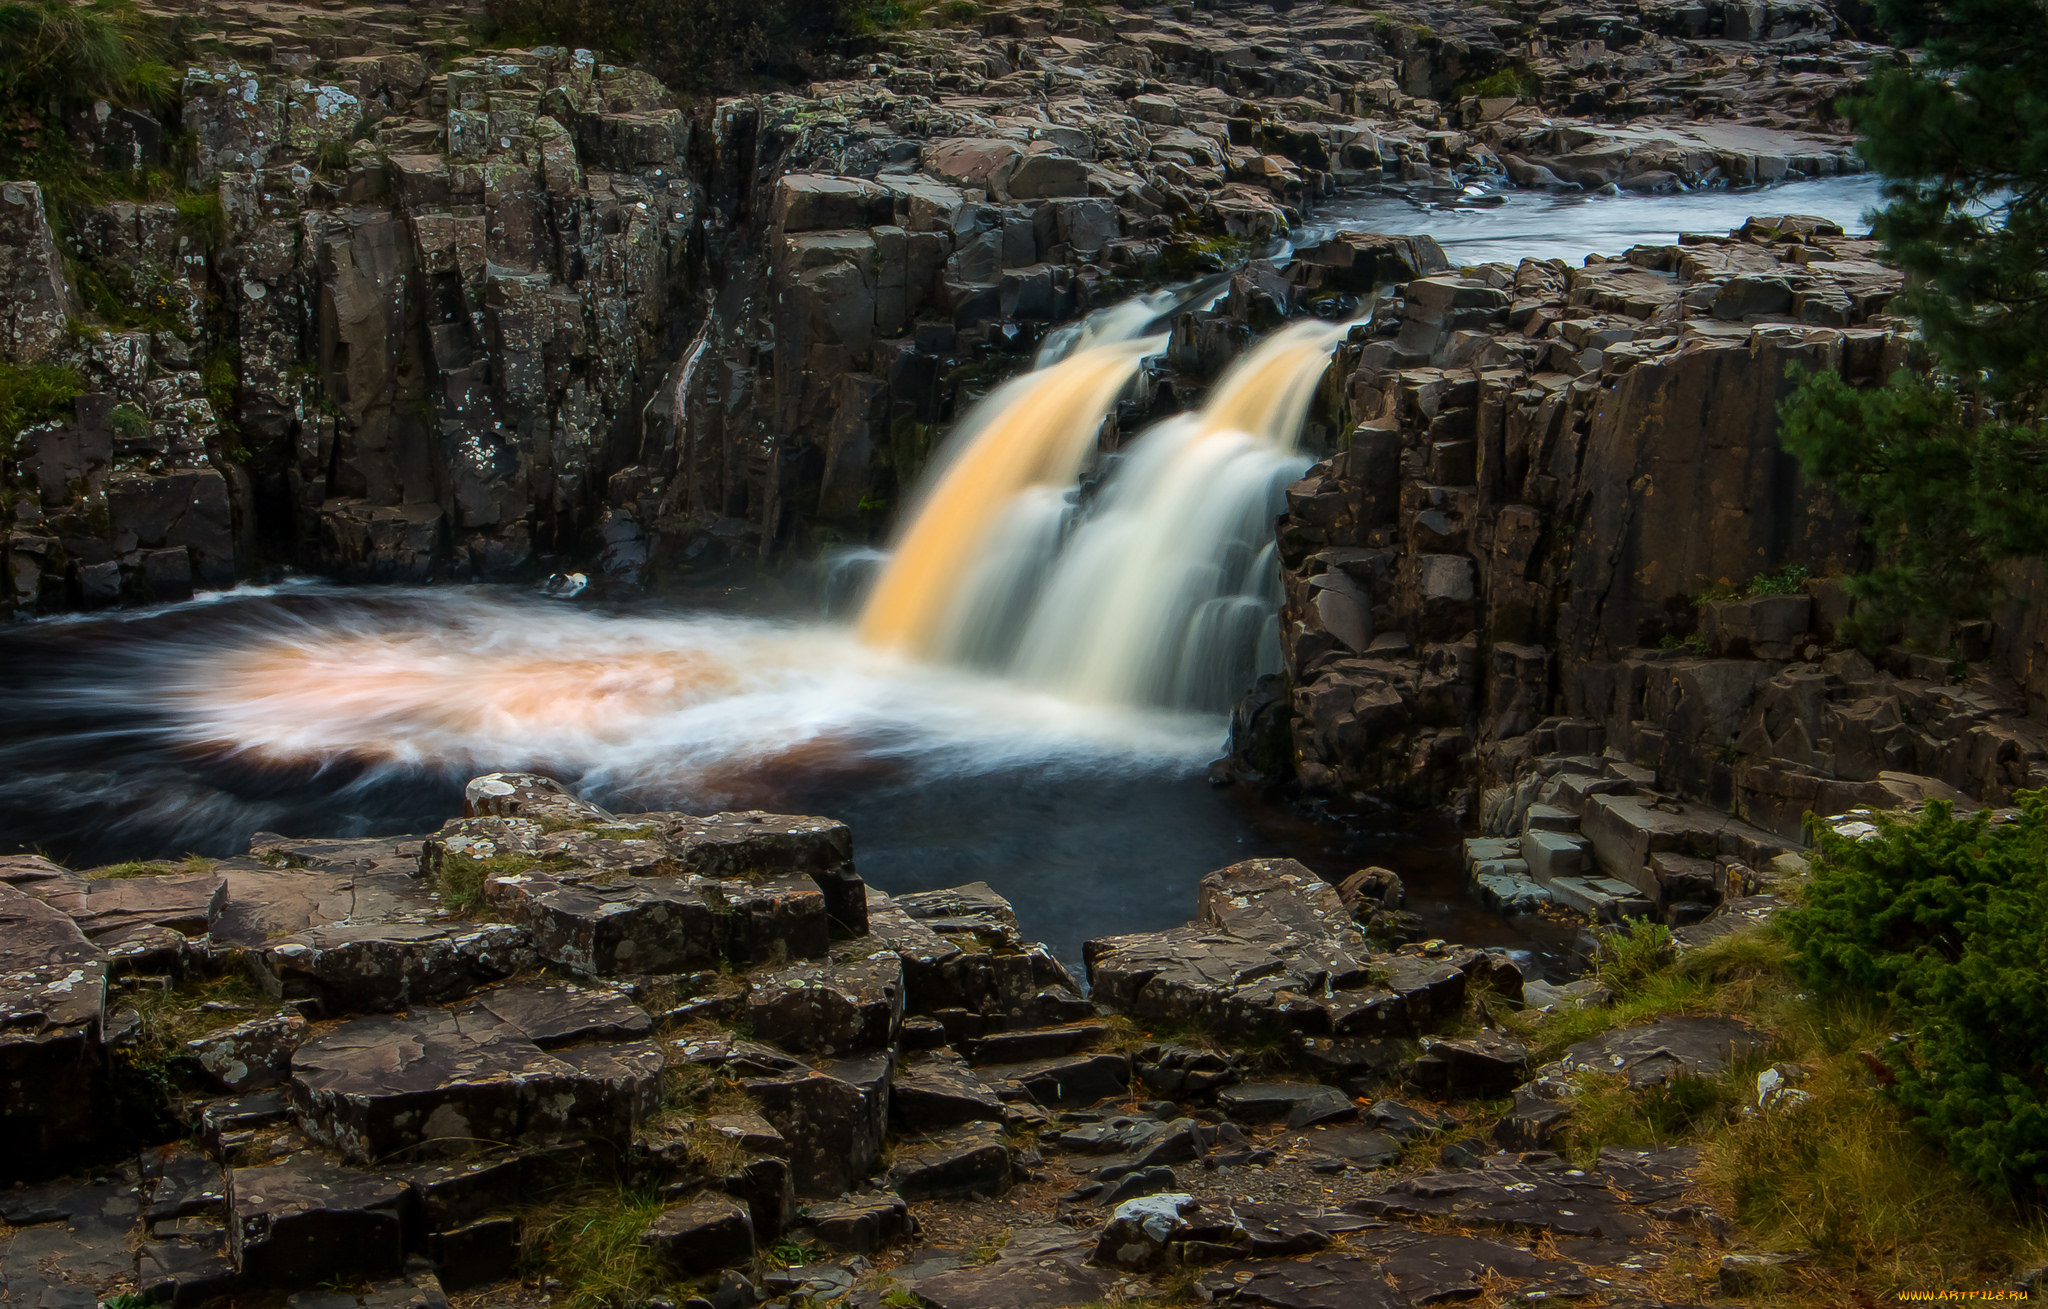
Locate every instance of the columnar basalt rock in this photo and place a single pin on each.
(464, 311)
(1561, 564)
(929, 1064)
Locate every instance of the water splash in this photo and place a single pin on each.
(686, 704)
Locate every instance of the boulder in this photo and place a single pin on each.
(810, 202)
(1480, 1066)
(703, 1236)
(972, 1160)
(844, 1006)
(304, 1220)
(833, 1117)
(860, 1224)
(52, 1014)
(252, 1055)
(1149, 1231)
(449, 1081)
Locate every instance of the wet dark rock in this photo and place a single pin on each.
(966, 963)
(1074, 1080)
(179, 1182)
(859, 1225)
(833, 1117)
(1340, 1281)
(1038, 1269)
(1674, 1047)
(1408, 1122)
(939, 1090)
(1542, 1195)
(447, 1081)
(752, 845)
(1024, 1045)
(1138, 1182)
(252, 1055)
(1145, 1232)
(1535, 1121)
(182, 1272)
(707, 1234)
(1354, 1145)
(1426, 1268)
(1355, 1065)
(52, 1007)
(72, 1243)
(973, 1160)
(1486, 1064)
(840, 1007)
(1183, 1071)
(1298, 1104)
(303, 1220)
(383, 967)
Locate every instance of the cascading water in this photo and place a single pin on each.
(1164, 591)
(1029, 436)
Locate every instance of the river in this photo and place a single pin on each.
(313, 709)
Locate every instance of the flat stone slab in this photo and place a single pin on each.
(1038, 1269)
(358, 967)
(1550, 1197)
(73, 1243)
(452, 1081)
(53, 985)
(938, 1090)
(973, 1160)
(612, 928)
(1654, 1054)
(304, 1220)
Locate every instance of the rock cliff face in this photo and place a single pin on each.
(1563, 575)
(427, 312)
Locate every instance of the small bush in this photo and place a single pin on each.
(31, 394)
(1786, 581)
(1940, 919)
(1631, 955)
(1513, 80)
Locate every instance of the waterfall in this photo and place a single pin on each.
(1030, 434)
(1165, 589)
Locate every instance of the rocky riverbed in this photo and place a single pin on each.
(420, 308)
(388, 1065)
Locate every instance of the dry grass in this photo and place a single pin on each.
(1843, 1173)
(591, 1243)
(191, 864)
(174, 1016)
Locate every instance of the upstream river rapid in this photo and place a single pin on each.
(311, 709)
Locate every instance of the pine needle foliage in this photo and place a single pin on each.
(1939, 919)
(1950, 472)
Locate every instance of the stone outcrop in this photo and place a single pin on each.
(1562, 582)
(1322, 1127)
(428, 312)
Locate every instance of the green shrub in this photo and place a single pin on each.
(1513, 80)
(1941, 918)
(56, 58)
(31, 394)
